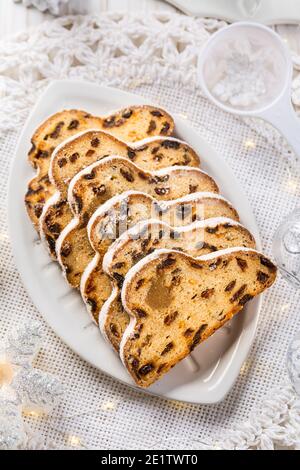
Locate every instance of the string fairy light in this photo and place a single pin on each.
(6, 373)
(74, 441)
(183, 116)
(285, 307)
(291, 185)
(108, 406)
(32, 413)
(249, 144)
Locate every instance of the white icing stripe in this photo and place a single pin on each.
(149, 140)
(89, 268)
(127, 333)
(84, 278)
(226, 251)
(109, 205)
(140, 226)
(64, 233)
(51, 201)
(104, 312)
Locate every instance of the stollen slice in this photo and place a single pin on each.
(102, 180)
(130, 124)
(122, 212)
(196, 239)
(91, 146)
(168, 320)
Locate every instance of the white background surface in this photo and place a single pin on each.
(14, 17)
(108, 414)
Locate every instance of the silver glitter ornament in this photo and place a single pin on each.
(12, 432)
(293, 363)
(37, 390)
(24, 342)
(27, 389)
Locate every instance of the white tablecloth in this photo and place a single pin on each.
(98, 412)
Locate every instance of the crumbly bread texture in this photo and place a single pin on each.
(196, 239)
(169, 319)
(91, 146)
(131, 124)
(102, 180)
(122, 212)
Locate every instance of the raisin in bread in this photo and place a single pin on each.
(120, 213)
(195, 239)
(86, 148)
(102, 180)
(168, 320)
(131, 124)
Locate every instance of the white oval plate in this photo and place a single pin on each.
(263, 11)
(207, 378)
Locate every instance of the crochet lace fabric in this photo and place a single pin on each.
(154, 56)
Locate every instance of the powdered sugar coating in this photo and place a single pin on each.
(104, 312)
(90, 267)
(153, 256)
(72, 225)
(54, 199)
(116, 158)
(119, 198)
(130, 233)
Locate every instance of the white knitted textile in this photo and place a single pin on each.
(156, 57)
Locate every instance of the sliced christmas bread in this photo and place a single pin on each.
(169, 319)
(91, 146)
(196, 239)
(102, 180)
(120, 213)
(131, 124)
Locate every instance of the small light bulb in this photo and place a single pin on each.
(3, 235)
(32, 413)
(6, 373)
(245, 368)
(74, 441)
(249, 144)
(108, 406)
(292, 185)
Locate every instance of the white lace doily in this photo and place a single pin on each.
(156, 57)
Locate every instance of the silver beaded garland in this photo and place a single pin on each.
(37, 390)
(24, 342)
(30, 388)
